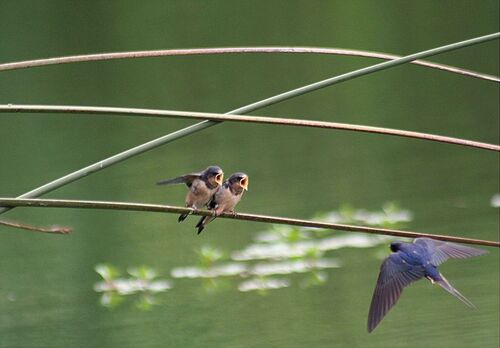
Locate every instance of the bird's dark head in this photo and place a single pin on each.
(214, 176)
(238, 181)
(395, 246)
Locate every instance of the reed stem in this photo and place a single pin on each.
(11, 108)
(242, 110)
(60, 203)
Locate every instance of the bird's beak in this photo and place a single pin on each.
(219, 178)
(244, 183)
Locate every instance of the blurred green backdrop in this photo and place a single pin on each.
(46, 295)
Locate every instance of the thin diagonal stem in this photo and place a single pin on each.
(10, 108)
(361, 72)
(243, 110)
(59, 203)
(233, 50)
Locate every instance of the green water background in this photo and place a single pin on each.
(46, 295)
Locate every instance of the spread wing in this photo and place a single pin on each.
(440, 251)
(395, 275)
(185, 179)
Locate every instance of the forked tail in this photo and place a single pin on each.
(203, 222)
(447, 286)
(182, 217)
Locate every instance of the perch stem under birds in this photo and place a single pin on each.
(59, 203)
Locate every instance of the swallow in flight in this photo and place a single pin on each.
(410, 262)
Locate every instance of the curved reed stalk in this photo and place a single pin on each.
(25, 226)
(232, 50)
(60, 203)
(245, 109)
(241, 118)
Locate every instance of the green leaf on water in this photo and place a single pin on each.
(111, 299)
(208, 255)
(145, 302)
(107, 272)
(142, 272)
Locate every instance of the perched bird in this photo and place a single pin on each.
(410, 262)
(202, 187)
(226, 198)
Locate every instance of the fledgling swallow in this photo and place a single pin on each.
(225, 198)
(202, 186)
(410, 262)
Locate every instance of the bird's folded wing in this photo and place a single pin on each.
(185, 179)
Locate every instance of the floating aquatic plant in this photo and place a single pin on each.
(141, 281)
(278, 251)
(263, 284)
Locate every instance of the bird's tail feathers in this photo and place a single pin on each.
(182, 217)
(443, 282)
(203, 222)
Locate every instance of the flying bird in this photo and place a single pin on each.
(202, 186)
(410, 262)
(226, 198)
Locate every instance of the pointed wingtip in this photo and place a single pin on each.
(163, 182)
(481, 252)
(374, 319)
(179, 180)
(370, 328)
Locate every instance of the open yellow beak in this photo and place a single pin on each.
(219, 178)
(244, 183)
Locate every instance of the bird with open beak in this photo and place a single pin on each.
(225, 198)
(202, 187)
(410, 262)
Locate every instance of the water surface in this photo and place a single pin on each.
(46, 293)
